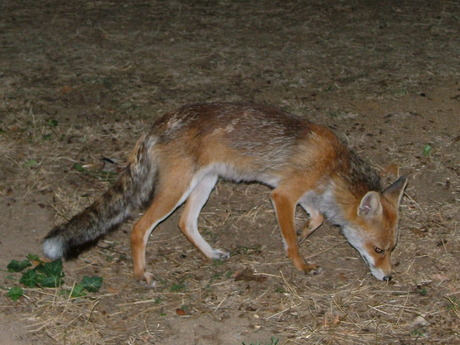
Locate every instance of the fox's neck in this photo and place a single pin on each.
(351, 179)
(331, 207)
(339, 201)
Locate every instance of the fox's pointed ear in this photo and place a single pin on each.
(370, 205)
(395, 192)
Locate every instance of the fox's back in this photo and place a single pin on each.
(244, 126)
(245, 141)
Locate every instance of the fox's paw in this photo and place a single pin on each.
(315, 271)
(311, 269)
(219, 254)
(147, 280)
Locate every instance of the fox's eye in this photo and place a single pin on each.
(378, 250)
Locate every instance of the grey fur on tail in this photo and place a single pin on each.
(134, 188)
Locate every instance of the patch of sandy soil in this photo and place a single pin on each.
(81, 80)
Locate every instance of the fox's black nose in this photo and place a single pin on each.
(387, 278)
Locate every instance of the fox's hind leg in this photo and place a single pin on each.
(285, 199)
(189, 219)
(171, 192)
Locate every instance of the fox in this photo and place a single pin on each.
(181, 157)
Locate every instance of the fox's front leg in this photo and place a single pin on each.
(315, 221)
(285, 201)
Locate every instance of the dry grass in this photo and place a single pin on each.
(82, 80)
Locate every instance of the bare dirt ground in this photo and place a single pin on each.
(80, 80)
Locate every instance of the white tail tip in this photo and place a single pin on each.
(53, 248)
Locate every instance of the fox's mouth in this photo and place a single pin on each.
(366, 260)
(376, 272)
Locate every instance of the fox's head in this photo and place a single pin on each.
(374, 230)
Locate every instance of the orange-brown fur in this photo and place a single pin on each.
(180, 158)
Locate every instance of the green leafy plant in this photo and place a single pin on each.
(18, 266)
(87, 284)
(92, 284)
(427, 150)
(47, 275)
(15, 293)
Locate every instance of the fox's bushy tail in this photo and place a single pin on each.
(134, 188)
